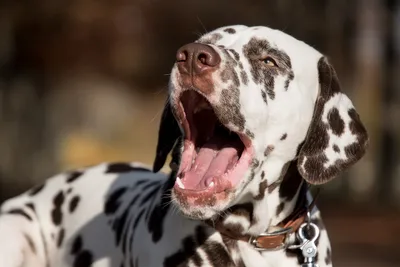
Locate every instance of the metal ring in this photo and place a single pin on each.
(302, 234)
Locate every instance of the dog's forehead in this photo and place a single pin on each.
(237, 36)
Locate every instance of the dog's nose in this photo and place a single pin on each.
(197, 58)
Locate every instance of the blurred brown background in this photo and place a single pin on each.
(82, 82)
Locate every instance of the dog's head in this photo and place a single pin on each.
(244, 101)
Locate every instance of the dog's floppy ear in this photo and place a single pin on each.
(168, 133)
(336, 138)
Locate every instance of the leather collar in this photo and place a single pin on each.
(279, 239)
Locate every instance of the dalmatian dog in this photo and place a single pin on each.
(253, 118)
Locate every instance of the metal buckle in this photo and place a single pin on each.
(253, 239)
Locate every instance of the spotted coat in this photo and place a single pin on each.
(280, 93)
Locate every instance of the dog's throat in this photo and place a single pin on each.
(211, 162)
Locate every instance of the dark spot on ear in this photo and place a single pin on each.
(77, 245)
(73, 176)
(21, 213)
(336, 148)
(268, 150)
(261, 190)
(283, 137)
(123, 168)
(36, 189)
(60, 238)
(30, 243)
(230, 30)
(74, 203)
(328, 257)
(56, 213)
(280, 208)
(83, 259)
(336, 122)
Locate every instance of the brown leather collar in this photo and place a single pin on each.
(277, 239)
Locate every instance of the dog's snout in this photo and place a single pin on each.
(197, 58)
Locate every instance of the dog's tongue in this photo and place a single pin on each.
(213, 160)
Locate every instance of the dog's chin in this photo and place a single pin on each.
(214, 159)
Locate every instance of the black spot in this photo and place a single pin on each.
(112, 202)
(74, 203)
(230, 30)
(280, 208)
(149, 195)
(31, 206)
(157, 216)
(262, 174)
(56, 213)
(328, 257)
(217, 254)
(77, 245)
(73, 176)
(283, 137)
(20, 212)
(36, 189)
(69, 191)
(60, 238)
(124, 167)
(83, 259)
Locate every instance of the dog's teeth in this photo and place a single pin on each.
(179, 182)
(211, 184)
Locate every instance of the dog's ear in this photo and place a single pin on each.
(336, 138)
(168, 133)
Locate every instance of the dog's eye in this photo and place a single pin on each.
(269, 61)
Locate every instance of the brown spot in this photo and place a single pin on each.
(244, 77)
(235, 54)
(264, 97)
(336, 122)
(249, 134)
(283, 137)
(336, 148)
(262, 174)
(230, 30)
(30, 243)
(290, 77)
(261, 190)
(229, 109)
(268, 150)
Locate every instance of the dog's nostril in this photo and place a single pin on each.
(203, 58)
(182, 56)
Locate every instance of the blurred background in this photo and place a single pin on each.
(84, 81)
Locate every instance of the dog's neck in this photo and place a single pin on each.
(272, 204)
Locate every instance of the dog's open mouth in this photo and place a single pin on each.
(214, 158)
